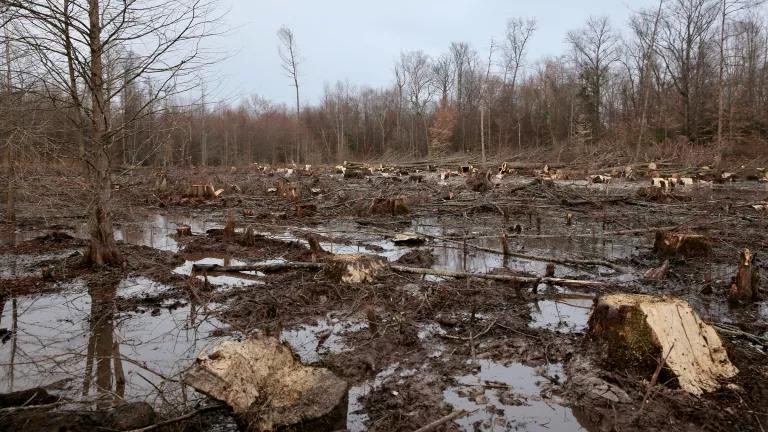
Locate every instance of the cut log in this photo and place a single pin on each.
(681, 244)
(635, 329)
(408, 239)
(355, 268)
(356, 172)
(745, 286)
(263, 382)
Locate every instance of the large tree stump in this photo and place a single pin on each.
(635, 330)
(479, 181)
(355, 268)
(681, 244)
(394, 206)
(745, 286)
(264, 383)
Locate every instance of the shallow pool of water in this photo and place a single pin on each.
(311, 341)
(77, 339)
(510, 397)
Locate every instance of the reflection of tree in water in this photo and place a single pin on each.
(103, 348)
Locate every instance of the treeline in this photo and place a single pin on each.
(685, 72)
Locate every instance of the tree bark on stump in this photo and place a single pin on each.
(745, 285)
(633, 330)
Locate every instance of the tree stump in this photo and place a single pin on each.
(745, 285)
(681, 244)
(634, 330)
(355, 268)
(264, 383)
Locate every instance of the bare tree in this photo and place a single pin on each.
(684, 35)
(442, 73)
(594, 49)
(417, 69)
(74, 38)
(289, 61)
(648, 50)
(519, 32)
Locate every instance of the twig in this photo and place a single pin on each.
(178, 419)
(450, 417)
(655, 378)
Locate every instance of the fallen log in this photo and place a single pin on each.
(264, 268)
(635, 329)
(274, 267)
(502, 277)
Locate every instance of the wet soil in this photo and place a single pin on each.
(412, 348)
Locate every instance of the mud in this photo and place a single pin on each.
(412, 348)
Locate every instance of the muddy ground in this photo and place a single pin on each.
(412, 348)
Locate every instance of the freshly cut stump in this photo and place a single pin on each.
(355, 268)
(636, 329)
(263, 382)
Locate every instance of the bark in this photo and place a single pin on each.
(633, 329)
(102, 249)
(10, 203)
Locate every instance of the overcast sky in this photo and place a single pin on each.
(359, 40)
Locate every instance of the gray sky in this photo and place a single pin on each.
(360, 40)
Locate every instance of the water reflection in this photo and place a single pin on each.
(511, 397)
(102, 348)
(155, 231)
(79, 340)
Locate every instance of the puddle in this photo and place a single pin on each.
(567, 313)
(64, 338)
(30, 265)
(510, 397)
(311, 342)
(452, 256)
(349, 240)
(356, 416)
(155, 231)
(139, 287)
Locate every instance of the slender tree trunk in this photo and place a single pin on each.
(644, 79)
(79, 138)
(721, 78)
(102, 249)
(10, 203)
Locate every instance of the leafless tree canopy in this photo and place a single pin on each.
(682, 71)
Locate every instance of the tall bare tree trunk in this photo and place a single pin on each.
(644, 79)
(102, 249)
(721, 78)
(10, 203)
